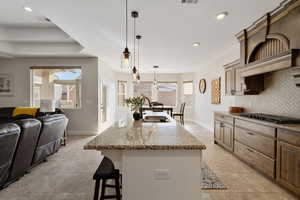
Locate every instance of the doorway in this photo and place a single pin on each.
(103, 106)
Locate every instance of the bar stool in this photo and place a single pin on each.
(106, 171)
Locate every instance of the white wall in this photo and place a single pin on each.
(107, 79)
(83, 121)
(203, 109)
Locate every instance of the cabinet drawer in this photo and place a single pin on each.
(255, 159)
(257, 141)
(224, 118)
(290, 137)
(266, 130)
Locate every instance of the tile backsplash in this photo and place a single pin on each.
(281, 96)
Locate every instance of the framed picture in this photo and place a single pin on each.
(202, 86)
(216, 91)
(6, 85)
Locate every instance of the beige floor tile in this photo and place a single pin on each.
(68, 175)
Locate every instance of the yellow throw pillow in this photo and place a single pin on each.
(25, 111)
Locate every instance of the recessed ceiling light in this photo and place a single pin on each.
(222, 15)
(196, 44)
(27, 8)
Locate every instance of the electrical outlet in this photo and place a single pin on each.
(162, 174)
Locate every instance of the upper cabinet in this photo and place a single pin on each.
(270, 44)
(237, 85)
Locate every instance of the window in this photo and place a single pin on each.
(188, 93)
(62, 84)
(167, 93)
(122, 87)
(143, 88)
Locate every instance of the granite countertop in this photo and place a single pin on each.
(146, 136)
(291, 127)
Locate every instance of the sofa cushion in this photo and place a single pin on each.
(6, 112)
(24, 111)
(22, 116)
(6, 120)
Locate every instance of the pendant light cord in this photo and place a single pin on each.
(126, 23)
(134, 41)
(138, 59)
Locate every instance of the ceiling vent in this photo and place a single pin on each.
(189, 1)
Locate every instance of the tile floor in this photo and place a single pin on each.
(68, 175)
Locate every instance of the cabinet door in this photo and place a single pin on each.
(228, 136)
(218, 132)
(288, 166)
(239, 82)
(229, 81)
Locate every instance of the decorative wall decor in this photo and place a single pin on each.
(6, 85)
(216, 91)
(202, 86)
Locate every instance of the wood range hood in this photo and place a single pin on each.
(282, 61)
(272, 42)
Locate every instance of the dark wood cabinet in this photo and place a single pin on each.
(272, 150)
(223, 132)
(231, 77)
(238, 82)
(229, 82)
(237, 85)
(288, 166)
(218, 132)
(228, 136)
(288, 159)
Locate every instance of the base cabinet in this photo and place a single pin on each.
(273, 151)
(224, 135)
(288, 166)
(257, 160)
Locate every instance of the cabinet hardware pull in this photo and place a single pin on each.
(249, 133)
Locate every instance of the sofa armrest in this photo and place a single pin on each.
(9, 135)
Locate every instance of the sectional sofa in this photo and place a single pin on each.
(27, 140)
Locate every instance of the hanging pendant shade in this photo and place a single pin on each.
(155, 81)
(134, 15)
(126, 53)
(138, 37)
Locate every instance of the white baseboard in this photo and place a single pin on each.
(82, 132)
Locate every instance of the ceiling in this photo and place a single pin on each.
(31, 34)
(168, 27)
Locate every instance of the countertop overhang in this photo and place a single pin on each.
(146, 136)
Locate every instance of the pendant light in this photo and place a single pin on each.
(126, 52)
(134, 15)
(138, 37)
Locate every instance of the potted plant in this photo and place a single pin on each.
(135, 103)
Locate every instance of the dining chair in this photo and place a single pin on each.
(180, 114)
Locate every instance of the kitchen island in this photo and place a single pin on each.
(158, 161)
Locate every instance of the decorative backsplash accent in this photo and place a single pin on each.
(281, 96)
